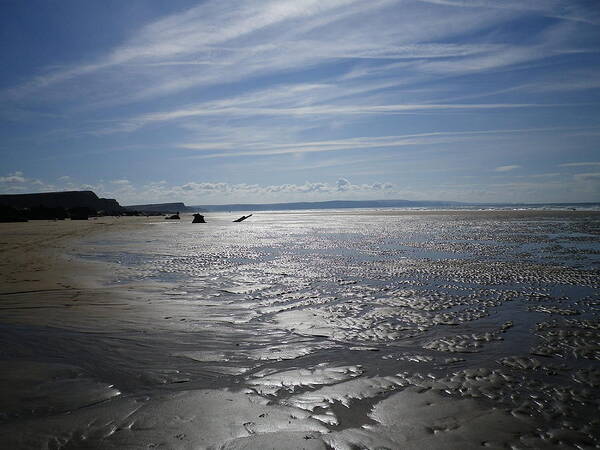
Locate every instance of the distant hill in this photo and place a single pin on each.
(163, 208)
(335, 204)
(66, 199)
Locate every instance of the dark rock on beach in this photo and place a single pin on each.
(198, 218)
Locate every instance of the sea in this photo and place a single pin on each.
(346, 329)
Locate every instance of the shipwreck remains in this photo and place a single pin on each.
(241, 219)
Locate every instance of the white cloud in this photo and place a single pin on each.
(560, 9)
(343, 185)
(15, 177)
(244, 147)
(222, 42)
(202, 33)
(222, 192)
(587, 176)
(580, 164)
(18, 183)
(506, 168)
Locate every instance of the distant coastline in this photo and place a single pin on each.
(390, 204)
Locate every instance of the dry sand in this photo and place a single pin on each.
(36, 255)
(44, 283)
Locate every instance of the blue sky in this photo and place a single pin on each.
(299, 100)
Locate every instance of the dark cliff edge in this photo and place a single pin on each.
(57, 205)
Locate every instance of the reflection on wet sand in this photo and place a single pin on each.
(311, 330)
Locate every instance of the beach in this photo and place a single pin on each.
(313, 329)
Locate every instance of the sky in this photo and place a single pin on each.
(217, 101)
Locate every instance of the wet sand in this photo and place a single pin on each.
(346, 329)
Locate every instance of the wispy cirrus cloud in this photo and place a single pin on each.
(593, 176)
(560, 9)
(246, 109)
(580, 164)
(215, 43)
(244, 147)
(507, 168)
(207, 35)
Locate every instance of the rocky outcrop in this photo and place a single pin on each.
(66, 200)
(198, 218)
